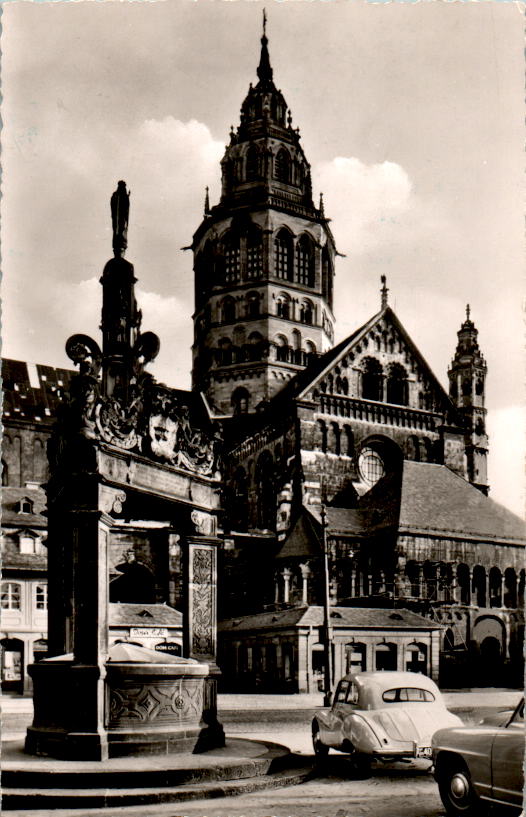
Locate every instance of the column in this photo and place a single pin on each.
(286, 573)
(305, 574)
(200, 614)
(457, 590)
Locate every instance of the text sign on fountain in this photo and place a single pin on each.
(127, 454)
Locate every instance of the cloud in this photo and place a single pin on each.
(366, 201)
(507, 451)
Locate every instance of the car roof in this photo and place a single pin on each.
(387, 679)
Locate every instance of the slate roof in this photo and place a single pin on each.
(436, 500)
(143, 615)
(32, 392)
(10, 499)
(355, 617)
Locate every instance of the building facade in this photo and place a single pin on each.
(356, 447)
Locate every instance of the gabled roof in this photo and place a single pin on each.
(304, 540)
(306, 379)
(355, 617)
(144, 615)
(436, 500)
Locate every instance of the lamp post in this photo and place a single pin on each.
(327, 629)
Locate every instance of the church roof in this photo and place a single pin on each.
(355, 617)
(436, 500)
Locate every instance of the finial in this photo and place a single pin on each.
(264, 68)
(468, 312)
(321, 204)
(289, 118)
(207, 202)
(120, 209)
(384, 291)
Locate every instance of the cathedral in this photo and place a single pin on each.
(350, 477)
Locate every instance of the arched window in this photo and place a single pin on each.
(349, 441)
(412, 572)
(283, 255)
(306, 313)
(5, 473)
(335, 445)
(252, 305)
(479, 586)
(231, 257)
(463, 583)
(252, 163)
(372, 379)
(305, 261)
(322, 436)
(240, 400)
(25, 505)
(266, 492)
(255, 346)
(282, 166)
(310, 350)
(385, 656)
(495, 587)
(326, 275)
(510, 588)
(416, 658)
(254, 253)
(283, 306)
(467, 387)
(225, 352)
(282, 348)
(412, 448)
(397, 391)
(11, 596)
(239, 509)
(228, 310)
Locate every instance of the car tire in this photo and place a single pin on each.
(320, 750)
(457, 792)
(361, 764)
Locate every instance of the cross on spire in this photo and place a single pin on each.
(468, 311)
(264, 22)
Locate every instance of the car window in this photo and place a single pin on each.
(341, 692)
(407, 694)
(352, 694)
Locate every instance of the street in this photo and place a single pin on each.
(390, 790)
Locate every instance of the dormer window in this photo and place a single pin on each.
(25, 505)
(28, 542)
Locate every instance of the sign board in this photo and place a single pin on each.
(148, 632)
(169, 647)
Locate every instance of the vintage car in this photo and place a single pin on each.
(386, 715)
(483, 764)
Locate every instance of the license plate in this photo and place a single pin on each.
(424, 751)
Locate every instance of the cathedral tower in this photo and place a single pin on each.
(263, 261)
(467, 386)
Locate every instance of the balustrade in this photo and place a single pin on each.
(374, 412)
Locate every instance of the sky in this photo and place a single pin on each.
(411, 116)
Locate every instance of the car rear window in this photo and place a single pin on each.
(407, 694)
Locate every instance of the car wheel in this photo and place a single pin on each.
(320, 750)
(457, 793)
(361, 764)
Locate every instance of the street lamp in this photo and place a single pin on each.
(327, 629)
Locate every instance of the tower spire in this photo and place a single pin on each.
(207, 201)
(264, 67)
(384, 291)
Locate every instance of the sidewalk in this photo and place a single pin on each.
(482, 697)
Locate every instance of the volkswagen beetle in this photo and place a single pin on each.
(387, 715)
(483, 764)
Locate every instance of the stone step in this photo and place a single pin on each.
(23, 799)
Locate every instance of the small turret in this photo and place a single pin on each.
(467, 386)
